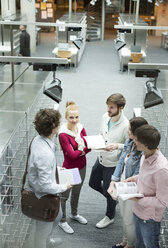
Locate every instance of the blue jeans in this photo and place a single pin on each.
(146, 233)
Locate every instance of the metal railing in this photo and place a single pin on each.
(14, 225)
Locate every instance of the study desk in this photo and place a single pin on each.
(125, 57)
(6, 48)
(74, 54)
(163, 39)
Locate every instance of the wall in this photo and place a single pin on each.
(161, 14)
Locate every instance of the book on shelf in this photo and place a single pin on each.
(126, 190)
(95, 142)
(71, 175)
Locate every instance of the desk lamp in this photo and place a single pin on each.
(152, 95)
(53, 89)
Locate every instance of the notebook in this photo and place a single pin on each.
(72, 175)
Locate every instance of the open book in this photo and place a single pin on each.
(72, 175)
(126, 190)
(95, 142)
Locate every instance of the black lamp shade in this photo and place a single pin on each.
(153, 96)
(54, 90)
(44, 67)
(119, 44)
(151, 73)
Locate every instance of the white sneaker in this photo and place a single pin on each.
(65, 227)
(79, 218)
(104, 222)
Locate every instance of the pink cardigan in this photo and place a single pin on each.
(72, 156)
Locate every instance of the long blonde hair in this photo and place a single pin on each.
(70, 106)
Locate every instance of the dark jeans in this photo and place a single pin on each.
(100, 179)
(146, 233)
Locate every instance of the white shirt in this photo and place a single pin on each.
(42, 168)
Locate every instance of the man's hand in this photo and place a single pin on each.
(68, 185)
(111, 147)
(134, 199)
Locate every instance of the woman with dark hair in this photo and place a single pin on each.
(42, 167)
(127, 166)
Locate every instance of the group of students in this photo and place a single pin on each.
(131, 154)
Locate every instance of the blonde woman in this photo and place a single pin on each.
(74, 149)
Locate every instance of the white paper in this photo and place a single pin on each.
(95, 142)
(43, 14)
(61, 26)
(125, 197)
(73, 37)
(126, 190)
(50, 15)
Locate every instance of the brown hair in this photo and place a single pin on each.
(70, 106)
(46, 120)
(148, 136)
(137, 122)
(117, 99)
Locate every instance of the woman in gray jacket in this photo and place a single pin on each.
(127, 166)
(42, 167)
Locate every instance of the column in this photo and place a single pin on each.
(70, 9)
(103, 19)
(137, 11)
(8, 8)
(28, 12)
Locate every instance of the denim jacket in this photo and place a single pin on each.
(132, 164)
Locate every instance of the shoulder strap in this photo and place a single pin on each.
(26, 169)
(25, 173)
(56, 175)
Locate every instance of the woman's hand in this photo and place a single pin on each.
(111, 187)
(111, 190)
(111, 147)
(130, 179)
(83, 153)
(72, 147)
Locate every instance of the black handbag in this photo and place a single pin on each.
(44, 209)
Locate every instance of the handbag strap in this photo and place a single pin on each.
(26, 169)
(56, 175)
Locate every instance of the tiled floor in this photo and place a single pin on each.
(97, 77)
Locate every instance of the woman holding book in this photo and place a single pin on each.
(127, 166)
(74, 149)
